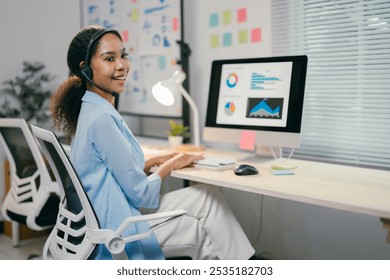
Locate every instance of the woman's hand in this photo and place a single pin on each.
(158, 160)
(179, 160)
(183, 160)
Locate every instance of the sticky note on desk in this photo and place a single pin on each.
(282, 172)
(277, 167)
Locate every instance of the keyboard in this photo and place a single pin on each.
(215, 163)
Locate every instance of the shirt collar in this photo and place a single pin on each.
(91, 97)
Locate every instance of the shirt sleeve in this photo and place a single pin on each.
(124, 163)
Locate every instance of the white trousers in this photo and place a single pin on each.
(209, 230)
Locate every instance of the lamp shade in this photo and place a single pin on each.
(165, 91)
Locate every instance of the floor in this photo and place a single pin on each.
(28, 249)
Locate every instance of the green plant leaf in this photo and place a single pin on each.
(178, 129)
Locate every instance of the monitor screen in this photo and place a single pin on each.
(263, 95)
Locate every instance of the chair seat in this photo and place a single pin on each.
(17, 217)
(48, 215)
(46, 218)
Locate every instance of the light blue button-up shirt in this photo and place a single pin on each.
(110, 164)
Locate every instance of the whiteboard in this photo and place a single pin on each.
(150, 30)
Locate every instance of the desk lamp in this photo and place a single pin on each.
(164, 92)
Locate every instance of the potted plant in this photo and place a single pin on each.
(25, 95)
(177, 133)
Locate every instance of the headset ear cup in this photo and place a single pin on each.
(86, 71)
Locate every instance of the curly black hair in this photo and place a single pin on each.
(66, 101)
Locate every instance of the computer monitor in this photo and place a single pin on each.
(263, 95)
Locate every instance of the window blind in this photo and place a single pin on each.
(346, 115)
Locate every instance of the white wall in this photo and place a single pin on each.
(35, 30)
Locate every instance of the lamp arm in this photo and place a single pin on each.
(195, 114)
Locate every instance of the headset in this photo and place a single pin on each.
(86, 70)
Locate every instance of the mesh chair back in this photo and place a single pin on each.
(69, 238)
(77, 231)
(20, 150)
(33, 197)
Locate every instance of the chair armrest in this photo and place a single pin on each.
(168, 215)
(115, 243)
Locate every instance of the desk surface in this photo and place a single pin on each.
(360, 190)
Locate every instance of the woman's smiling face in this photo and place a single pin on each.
(110, 65)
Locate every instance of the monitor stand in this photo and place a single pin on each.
(265, 154)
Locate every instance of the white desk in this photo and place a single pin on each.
(359, 190)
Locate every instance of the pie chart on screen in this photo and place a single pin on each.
(232, 80)
(230, 108)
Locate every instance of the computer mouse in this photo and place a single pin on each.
(245, 169)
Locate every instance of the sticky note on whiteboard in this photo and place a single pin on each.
(125, 36)
(134, 15)
(175, 24)
(248, 140)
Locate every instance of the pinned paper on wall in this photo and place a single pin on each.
(255, 35)
(214, 41)
(227, 17)
(248, 140)
(230, 27)
(213, 20)
(243, 36)
(241, 15)
(227, 39)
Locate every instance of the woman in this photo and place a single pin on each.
(112, 167)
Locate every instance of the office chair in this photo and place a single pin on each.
(33, 197)
(77, 231)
